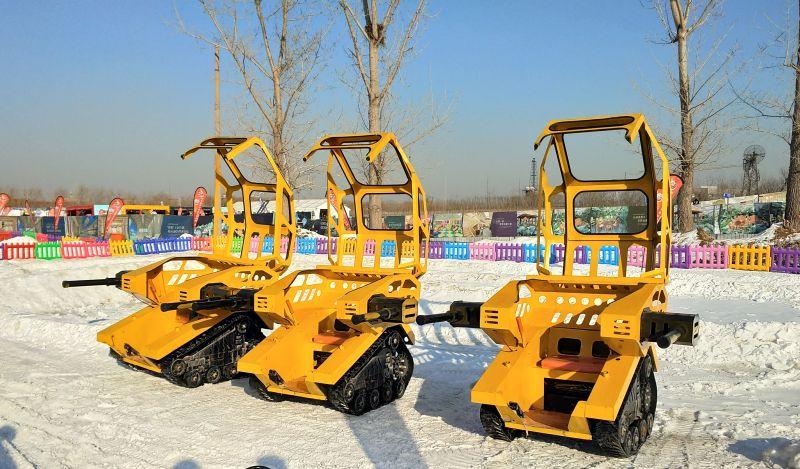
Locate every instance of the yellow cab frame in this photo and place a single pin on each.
(147, 336)
(316, 308)
(569, 327)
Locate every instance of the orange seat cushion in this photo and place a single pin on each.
(331, 338)
(572, 363)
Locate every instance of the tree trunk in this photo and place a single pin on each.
(685, 220)
(793, 178)
(373, 115)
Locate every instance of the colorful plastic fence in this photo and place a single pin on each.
(786, 260)
(749, 257)
(756, 258)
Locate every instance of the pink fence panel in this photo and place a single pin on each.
(637, 256)
(97, 249)
(482, 251)
(201, 244)
(73, 250)
(284, 245)
(708, 257)
(369, 247)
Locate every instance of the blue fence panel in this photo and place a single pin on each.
(456, 250)
(609, 255)
(306, 245)
(388, 248)
(532, 252)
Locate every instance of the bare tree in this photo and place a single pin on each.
(784, 56)
(378, 58)
(699, 85)
(276, 51)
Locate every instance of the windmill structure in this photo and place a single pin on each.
(531, 187)
(752, 156)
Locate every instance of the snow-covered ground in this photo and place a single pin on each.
(733, 400)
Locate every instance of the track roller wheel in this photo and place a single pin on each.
(213, 375)
(359, 404)
(229, 371)
(374, 399)
(394, 340)
(193, 379)
(644, 430)
(262, 391)
(178, 367)
(399, 389)
(624, 436)
(387, 393)
(493, 424)
(633, 439)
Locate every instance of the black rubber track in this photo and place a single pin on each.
(222, 331)
(347, 394)
(623, 437)
(494, 425)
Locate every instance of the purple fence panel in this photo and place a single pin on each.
(436, 250)
(680, 257)
(786, 260)
(556, 253)
(509, 252)
(582, 255)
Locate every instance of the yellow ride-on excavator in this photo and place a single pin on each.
(344, 326)
(198, 320)
(578, 356)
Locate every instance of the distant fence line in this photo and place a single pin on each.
(751, 257)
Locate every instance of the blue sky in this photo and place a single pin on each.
(110, 93)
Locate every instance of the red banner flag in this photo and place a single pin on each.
(199, 199)
(4, 198)
(57, 211)
(113, 209)
(675, 184)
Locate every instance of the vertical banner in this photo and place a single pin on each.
(113, 209)
(4, 198)
(199, 199)
(675, 184)
(57, 210)
(27, 207)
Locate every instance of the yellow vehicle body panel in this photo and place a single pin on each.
(309, 304)
(530, 317)
(148, 335)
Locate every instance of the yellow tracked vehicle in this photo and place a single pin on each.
(198, 320)
(345, 326)
(578, 356)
